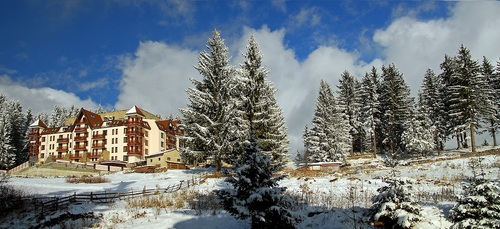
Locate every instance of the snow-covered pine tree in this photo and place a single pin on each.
(479, 206)
(370, 106)
(260, 107)
(329, 138)
(210, 115)
(396, 103)
(395, 205)
(19, 131)
(431, 100)
(349, 101)
(493, 81)
(255, 193)
(7, 150)
(454, 125)
(469, 100)
(418, 135)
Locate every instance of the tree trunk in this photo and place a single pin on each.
(493, 133)
(458, 135)
(472, 137)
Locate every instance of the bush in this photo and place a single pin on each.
(86, 179)
(10, 197)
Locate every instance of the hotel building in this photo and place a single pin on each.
(123, 136)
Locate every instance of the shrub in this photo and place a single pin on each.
(88, 179)
(10, 197)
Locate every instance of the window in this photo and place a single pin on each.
(162, 144)
(162, 135)
(151, 160)
(112, 141)
(146, 142)
(178, 160)
(42, 155)
(146, 133)
(168, 158)
(42, 148)
(125, 149)
(43, 139)
(159, 159)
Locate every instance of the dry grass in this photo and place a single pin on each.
(88, 179)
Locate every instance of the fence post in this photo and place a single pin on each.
(91, 198)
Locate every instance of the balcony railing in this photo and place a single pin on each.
(80, 147)
(98, 136)
(62, 140)
(133, 123)
(134, 132)
(80, 129)
(94, 155)
(99, 145)
(80, 138)
(134, 151)
(62, 149)
(75, 156)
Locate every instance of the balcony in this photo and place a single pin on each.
(62, 140)
(99, 145)
(134, 152)
(80, 147)
(94, 155)
(80, 138)
(80, 129)
(134, 123)
(75, 156)
(134, 132)
(62, 149)
(98, 136)
(134, 142)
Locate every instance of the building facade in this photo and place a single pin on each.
(127, 136)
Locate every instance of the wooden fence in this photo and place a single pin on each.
(19, 167)
(45, 204)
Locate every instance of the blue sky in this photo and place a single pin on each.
(124, 53)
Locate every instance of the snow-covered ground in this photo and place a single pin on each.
(329, 203)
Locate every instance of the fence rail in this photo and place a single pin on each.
(19, 167)
(45, 204)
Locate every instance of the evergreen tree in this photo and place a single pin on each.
(479, 207)
(329, 138)
(395, 204)
(432, 101)
(418, 135)
(210, 115)
(7, 150)
(370, 111)
(454, 125)
(396, 103)
(260, 108)
(493, 81)
(255, 193)
(19, 130)
(349, 101)
(469, 99)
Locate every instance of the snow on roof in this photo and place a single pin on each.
(159, 153)
(38, 123)
(135, 110)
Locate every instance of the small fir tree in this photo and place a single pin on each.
(255, 193)
(479, 207)
(395, 205)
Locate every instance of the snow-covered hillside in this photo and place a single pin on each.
(337, 200)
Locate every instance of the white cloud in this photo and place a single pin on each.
(41, 99)
(156, 78)
(415, 45)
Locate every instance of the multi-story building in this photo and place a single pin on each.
(126, 135)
